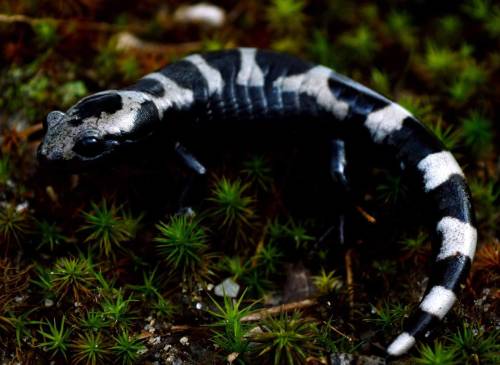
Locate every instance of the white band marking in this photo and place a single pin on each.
(211, 75)
(315, 83)
(173, 95)
(401, 344)
(438, 302)
(437, 168)
(458, 238)
(385, 121)
(250, 73)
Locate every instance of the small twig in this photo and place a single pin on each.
(27, 132)
(266, 312)
(365, 215)
(334, 329)
(349, 279)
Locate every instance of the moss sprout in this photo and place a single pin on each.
(486, 196)
(327, 282)
(127, 348)
(475, 345)
(400, 25)
(258, 172)
(286, 339)
(71, 91)
(380, 82)
(90, 349)
(231, 334)
(106, 227)
(269, 258)
(14, 224)
(447, 135)
(233, 206)
(94, 321)
(164, 308)
(286, 16)
(390, 316)
(181, 243)
(363, 41)
(416, 243)
(298, 233)
(435, 355)
(118, 310)
(50, 235)
(392, 190)
(440, 60)
(55, 337)
(73, 276)
(477, 132)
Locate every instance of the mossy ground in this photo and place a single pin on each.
(95, 266)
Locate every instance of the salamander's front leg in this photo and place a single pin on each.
(338, 164)
(195, 174)
(189, 160)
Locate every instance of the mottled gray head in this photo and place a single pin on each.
(96, 127)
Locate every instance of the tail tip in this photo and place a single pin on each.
(401, 344)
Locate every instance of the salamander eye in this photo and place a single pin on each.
(89, 147)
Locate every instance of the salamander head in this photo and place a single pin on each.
(96, 128)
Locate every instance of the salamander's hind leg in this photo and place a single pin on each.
(342, 189)
(196, 173)
(338, 165)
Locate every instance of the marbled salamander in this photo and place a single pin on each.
(250, 84)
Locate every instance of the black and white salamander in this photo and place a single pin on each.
(247, 84)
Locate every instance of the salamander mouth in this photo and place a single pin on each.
(75, 164)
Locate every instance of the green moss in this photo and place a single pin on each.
(390, 316)
(127, 348)
(230, 333)
(233, 207)
(91, 349)
(14, 224)
(326, 283)
(55, 338)
(286, 339)
(477, 132)
(181, 243)
(50, 235)
(285, 16)
(106, 227)
(361, 42)
(436, 355)
(117, 310)
(476, 346)
(72, 276)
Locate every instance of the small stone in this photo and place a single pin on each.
(155, 340)
(199, 306)
(203, 13)
(210, 287)
(167, 347)
(22, 207)
(48, 302)
(227, 288)
(184, 341)
(232, 357)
